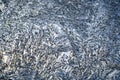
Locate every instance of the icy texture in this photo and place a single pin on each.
(59, 39)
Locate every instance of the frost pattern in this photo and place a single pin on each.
(59, 40)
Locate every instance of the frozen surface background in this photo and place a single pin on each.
(59, 39)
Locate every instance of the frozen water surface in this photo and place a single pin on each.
(59, 40)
